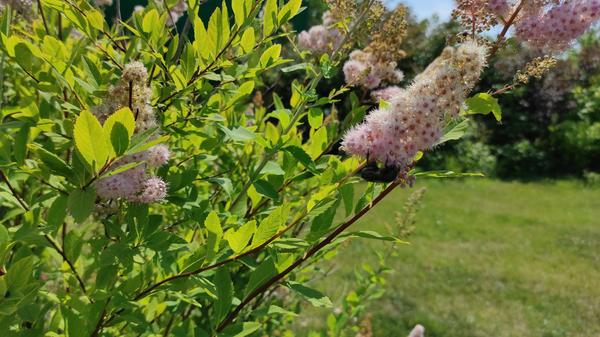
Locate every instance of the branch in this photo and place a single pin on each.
(13, 191)
(60, 251)
(315, 249)
(507, 25)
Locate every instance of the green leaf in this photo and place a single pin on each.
(4, 239)
(215, 233)
(95, 18)
(81, 204)
(269, 17)
(20, 144)
(270, 55)
(302, 157)
(272, 168)
(54, 163)
(313, 296)
(239, 134)
(260, 275)
(90, 141)
(248, 40)
(447, 174)
(315, 118)
(19, 273)
(269, 226)
(265, 188)
(238, 240)
(151, 21)
(275, 310)
(57, 212)
(372, 235)
(454, 132)
(241, 10)
(224, 286)
(119, 128)
(484, 103)
(288, 11)
(240, 329)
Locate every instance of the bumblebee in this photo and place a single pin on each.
(373, 173)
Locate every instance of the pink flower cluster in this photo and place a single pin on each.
(551, 25)
(134, 184)
(364, 69)
(556, 27)
(501, 8)
(415, 119)
(321, 39)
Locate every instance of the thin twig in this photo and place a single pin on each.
(62, 253)
(13, 191)
(43, 16)
(504, 31)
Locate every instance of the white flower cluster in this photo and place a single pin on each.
(364, 69)
(415, 119)
(321, 39)
(135, 184)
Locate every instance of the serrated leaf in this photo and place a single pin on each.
(448, 174)
(260, 275)
(81, 204)
(454, 132)
(238, 240)
(222, 281)
(269, 226)
(315, 297)
(57, 212)
(272, 168)
(265, 188)
(484, 103)
(302, 157)
(54, 163)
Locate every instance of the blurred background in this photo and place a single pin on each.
(513, 254)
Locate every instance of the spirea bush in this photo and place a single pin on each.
(165, 176)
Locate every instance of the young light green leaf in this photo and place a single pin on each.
(454, 132)
(238, 240)
(119, 128)
(484, 103)
(241, 10)
(288, 11)
(248, 40)
(90, 141)
(270, 55)
(215, 233)
(269, 17)
(269, 226)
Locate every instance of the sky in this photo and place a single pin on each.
(426, 8)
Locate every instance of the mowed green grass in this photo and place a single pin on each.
(488, 258)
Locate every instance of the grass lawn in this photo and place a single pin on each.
(487, 258)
